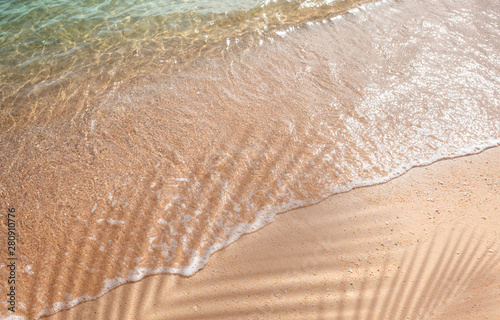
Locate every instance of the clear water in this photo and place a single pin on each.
(46, 44)
(133, 144)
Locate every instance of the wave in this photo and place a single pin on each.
(154, 175)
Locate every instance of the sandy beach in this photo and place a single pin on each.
(193, 159)
(422, 246)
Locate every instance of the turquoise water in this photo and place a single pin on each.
(42, 40)
(36, 31)
(44, 43)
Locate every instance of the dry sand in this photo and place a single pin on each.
(423, 246)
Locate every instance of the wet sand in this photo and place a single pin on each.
(121, 171)
(422, 246)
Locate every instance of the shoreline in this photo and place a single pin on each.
(157, 173)
(423, 244)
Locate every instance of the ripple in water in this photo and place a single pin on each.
(156, 172)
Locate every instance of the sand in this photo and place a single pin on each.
(422, 246)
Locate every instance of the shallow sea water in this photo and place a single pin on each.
(140, 137)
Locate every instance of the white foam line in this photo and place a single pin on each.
(262, 218)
